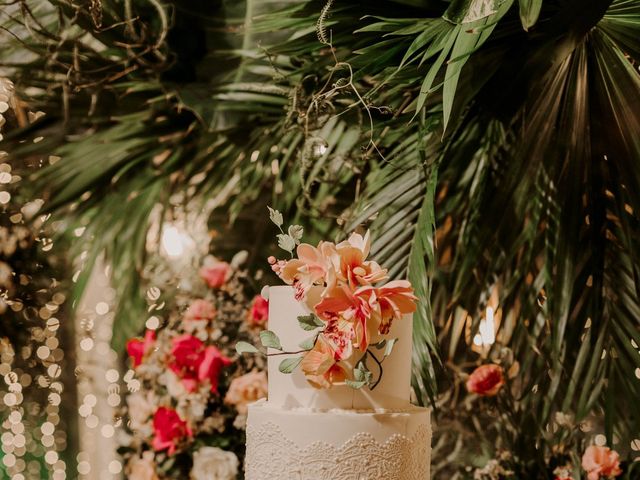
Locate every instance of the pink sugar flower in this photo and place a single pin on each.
(320, 367)
(353, 268)
(314, 266)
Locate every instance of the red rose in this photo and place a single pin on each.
(187, 353)
(259, 312)
(200, 310)
(486, 380)
(215, 274)
(169, 429)
(137, 348)
(212, 363)
(194, 363)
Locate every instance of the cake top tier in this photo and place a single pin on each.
(340, 334)
(389, 386)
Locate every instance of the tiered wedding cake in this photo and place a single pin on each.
(337, 433)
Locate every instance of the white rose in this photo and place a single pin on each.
(192, 407)
(142, 468)
(141, 409)
(174, 385)
(213, 463)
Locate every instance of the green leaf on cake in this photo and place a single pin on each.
(308, 343)
(288, 365)
(270, 340)
(386, 345)
(389, 346)
(355, 385)
(245, 347)
(361, 373)
(309, 322)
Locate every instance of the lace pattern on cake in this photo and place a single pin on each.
(272, 456)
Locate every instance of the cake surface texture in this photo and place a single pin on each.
(339, 433)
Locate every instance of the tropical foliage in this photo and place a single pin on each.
(490, 145)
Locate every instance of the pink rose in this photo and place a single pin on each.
(486, 380)
(215, 273)
(259, 311)
(246, 389)
(200, 310)
(601, 462)
(211, 366)
(314, 266)
(194, 363)
(169, 430)
(137, 348)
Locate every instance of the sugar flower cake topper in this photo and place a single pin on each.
(349, 321)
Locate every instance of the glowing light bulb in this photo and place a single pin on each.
(174, 241)
(486, 335)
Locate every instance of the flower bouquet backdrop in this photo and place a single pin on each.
(186, 415)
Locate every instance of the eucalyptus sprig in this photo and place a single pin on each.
(269, 339)
(361, 373)
(291, 238)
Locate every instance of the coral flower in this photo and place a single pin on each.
(200, 310)
(169, 430)
(313, 266)
(372, 310)
(486, 380)
(396, 299)
(601, 462)
(320, 367)
(215, 273)
(341, 302)
(353, 267)
(340, 334)
(137, 348)
(259, 311)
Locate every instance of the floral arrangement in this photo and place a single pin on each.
(187, 418)
(572, 457)
(351, 311)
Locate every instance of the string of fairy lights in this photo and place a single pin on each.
(32, 357)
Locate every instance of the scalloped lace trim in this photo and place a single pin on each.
(272, 456)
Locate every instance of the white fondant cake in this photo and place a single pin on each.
(341, 433)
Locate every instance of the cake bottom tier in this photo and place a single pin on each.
(303, 444)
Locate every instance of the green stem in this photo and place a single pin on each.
(379, 363)
(247, 37)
